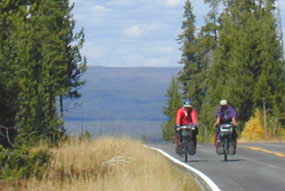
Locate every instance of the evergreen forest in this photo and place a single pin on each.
(238, 56)
(40, 67)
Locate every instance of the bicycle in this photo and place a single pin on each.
(226, 145)
(188, 145)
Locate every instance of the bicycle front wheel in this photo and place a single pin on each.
(225, 149)
(185, 151)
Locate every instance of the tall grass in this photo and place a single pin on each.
(108, 164)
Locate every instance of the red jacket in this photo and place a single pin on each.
(185, 118)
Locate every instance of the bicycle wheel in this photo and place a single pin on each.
(185, 151)
(225, 146)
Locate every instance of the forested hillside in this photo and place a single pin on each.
(118, 93)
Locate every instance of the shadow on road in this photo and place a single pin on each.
(198, 161)
(234, 160)
(201, 161)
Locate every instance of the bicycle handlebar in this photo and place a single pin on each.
(185, 127)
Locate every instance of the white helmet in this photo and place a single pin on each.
(223, 102)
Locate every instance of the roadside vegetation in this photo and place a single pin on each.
(104, 164)
(238, 56)
(257, 129)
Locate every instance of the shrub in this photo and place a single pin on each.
(20, 164)
(254, 129)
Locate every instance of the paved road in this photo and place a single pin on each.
(255, 167)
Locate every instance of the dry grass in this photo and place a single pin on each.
(108, 164)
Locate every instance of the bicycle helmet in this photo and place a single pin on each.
(187, 103)
(223, 102)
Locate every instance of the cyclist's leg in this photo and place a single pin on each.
(195, 138)
(177, 139)
(235, 137)
(216, 135)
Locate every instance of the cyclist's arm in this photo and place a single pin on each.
(194, 117)
(178, 118)
(218, 117)
(234, 121)
(218, 120)
(233, 114)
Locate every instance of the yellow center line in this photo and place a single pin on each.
(264, 150)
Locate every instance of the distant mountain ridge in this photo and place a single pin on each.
(123, 93)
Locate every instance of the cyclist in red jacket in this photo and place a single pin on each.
(186, 116)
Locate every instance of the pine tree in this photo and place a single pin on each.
(212, 19)
(76, 64)
(193, 70)
(173, 103)
(271, 80)
(8, 55)
(39, 61)
(49, 65)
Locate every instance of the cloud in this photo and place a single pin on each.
(149, 4)
(88, 12)
(142, 30)
(98, 8)
(130, 32)
(135, 31)
(174, 3)
(163, 49)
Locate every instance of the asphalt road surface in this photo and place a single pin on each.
(255, 166)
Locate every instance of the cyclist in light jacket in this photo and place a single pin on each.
(225, 114)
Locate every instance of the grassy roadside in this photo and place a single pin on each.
(118, 164)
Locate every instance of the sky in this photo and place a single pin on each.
(131, 33)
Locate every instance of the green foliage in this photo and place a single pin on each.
(247, 60)
(86, 135)
(211, 27)
(168, 130)
(236, 56)
(174, 101)
(40, 60)
(20, 164)
(196, 56)
(8, 55)
(192, 66)
(206, 122)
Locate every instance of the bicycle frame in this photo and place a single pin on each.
(226, 131)
(187, 141)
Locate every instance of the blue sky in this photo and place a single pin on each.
(136, 32)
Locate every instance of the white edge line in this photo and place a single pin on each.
(210, 183)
